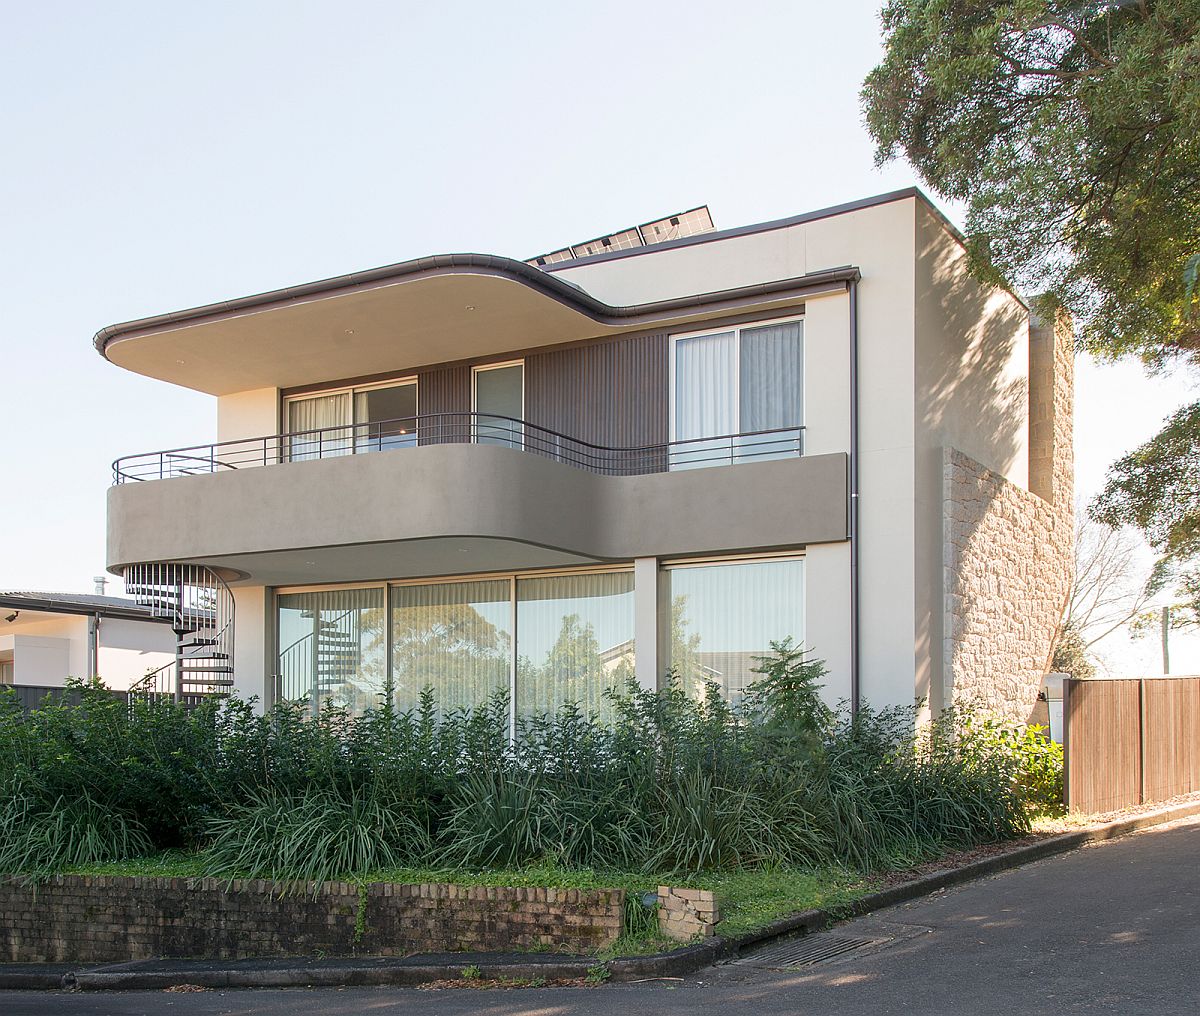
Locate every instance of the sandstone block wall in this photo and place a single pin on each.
(1008, 558)
(85, 919)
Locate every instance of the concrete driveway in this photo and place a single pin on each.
(1111, 928)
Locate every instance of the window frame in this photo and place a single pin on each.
(737, 330)
(387, 585)
(666, 565)
(351, 390)
(480, 368)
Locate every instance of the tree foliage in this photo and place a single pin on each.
(1072, 131)
(1157, 488)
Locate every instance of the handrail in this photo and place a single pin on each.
(143, 685)
(455, 428)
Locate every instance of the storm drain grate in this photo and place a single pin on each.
(809, 951)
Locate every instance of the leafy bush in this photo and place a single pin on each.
(1035, 761)
(671, 784)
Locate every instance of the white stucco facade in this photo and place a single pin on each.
(943, 366)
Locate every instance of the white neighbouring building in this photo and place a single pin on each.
(45, 638)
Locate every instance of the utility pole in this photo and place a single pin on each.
(1166, 628)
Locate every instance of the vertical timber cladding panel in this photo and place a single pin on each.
(1170, 727)
(611, 392)
(444, 390)
(1103, 745)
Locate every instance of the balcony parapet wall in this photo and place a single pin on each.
(477, 491)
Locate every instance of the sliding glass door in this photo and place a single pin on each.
(369, 419)
(544, 640)
(320, 426)
(332, 647)
(500, 404)
(574, 641)
(730, 384)
(452, 637)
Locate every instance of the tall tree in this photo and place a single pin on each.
(1109, 593)
(1072, 132)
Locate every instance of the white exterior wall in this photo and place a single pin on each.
(253, 643)
(827, 614)
(48, 649)
(129, 649)
(248, 414)
(972, 393)
(40, 660)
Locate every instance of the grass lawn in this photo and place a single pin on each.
(748, 899)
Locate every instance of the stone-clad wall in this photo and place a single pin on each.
(1008, 552)
(76, 918)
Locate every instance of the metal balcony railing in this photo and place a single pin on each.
(460, 428)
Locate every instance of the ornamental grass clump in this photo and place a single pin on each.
(673, 783)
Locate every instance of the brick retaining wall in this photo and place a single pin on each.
(89, 919)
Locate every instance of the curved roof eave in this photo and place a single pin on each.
(552, 287)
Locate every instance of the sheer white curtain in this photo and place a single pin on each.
(454, 637)
(771, 387)
(719, 617)
(317, 413)
(705, 398)
(574, 640)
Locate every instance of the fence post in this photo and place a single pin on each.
(1066, 737)
(1142, 741)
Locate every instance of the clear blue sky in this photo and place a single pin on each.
(159, 156)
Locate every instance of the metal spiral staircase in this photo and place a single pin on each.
(199, 607)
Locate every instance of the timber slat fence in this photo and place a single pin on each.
(1130, 742)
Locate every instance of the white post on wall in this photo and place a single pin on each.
(645, 621)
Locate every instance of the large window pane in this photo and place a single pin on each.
(454, 637)
(500, 403)
(319, 414)
(385, 418)
(332, 647)
(717, 618)
(574, 640)
(705, 399)
(771, 383)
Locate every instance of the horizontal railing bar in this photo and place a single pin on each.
(453, 428)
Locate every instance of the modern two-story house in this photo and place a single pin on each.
(654, 452)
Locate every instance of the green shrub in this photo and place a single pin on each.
(670, 784)
(316, 837)
(1034, 761)
(39, 837)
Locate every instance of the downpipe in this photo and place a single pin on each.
(855, 682)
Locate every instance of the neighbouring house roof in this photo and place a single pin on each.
(76, 603)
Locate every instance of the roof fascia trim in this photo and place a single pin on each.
(40, 604)
(559, 290)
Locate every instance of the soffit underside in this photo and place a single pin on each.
(400, 324)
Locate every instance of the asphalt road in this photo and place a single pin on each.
(1111, 928)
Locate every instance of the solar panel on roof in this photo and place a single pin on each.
(672, 227)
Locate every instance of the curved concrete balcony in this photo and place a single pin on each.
(496, 498)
